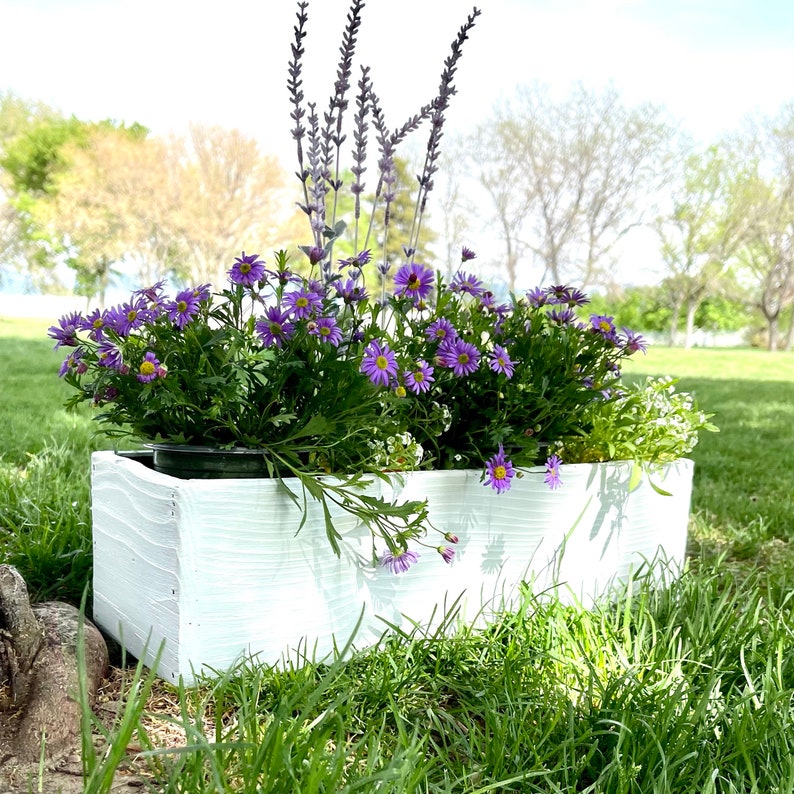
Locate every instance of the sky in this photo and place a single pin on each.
(165, 63)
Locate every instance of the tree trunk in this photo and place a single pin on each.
(771, 325)
(691, 310)
(39, 674)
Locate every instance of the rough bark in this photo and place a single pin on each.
(39, 671)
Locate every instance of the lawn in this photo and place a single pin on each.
(684, 690)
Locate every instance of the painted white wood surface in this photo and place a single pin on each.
(215, 567)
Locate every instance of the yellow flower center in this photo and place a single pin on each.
(463, 358)
(181, 306)
(604, 326)
(302, 302)
(499, 473)
(419, 376)
(245, 268)
(400, 391)
(381, 362)
(147, 368)
(132, 314)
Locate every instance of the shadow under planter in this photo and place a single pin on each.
(217, 568)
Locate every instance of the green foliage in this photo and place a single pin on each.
(650, 308)
(685, 688)
(650, 423)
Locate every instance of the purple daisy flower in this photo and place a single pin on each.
(633, 342)
(202, 292)
(326, 330)
(605, 326)
(414, 281)
(558, 294)
(129, 316)
(466, 254)
(378, 363)
(357, 261)
(461, 357)
(147, 371)
(419, 379)
(74, 363)
(247, 270)
(577, 298)
(65, 333)
(440, 330)
(564, 316)
(399, 561)
(183, 308)
(552, 478)
(108, 355)
(537, 297)
(94, 323)
(466, 282)
(350, 291)
(303, 303)
(500, 361)
(500, 472)
(274, 328)
(447, 554)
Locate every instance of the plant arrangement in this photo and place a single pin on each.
(323, 377)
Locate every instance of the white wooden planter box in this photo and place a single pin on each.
(215, 568)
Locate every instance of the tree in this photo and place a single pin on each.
(767, 253)
(567, 180)
(108, 206)
(228, 198)
(701, 232)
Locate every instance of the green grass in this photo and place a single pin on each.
(688, 689)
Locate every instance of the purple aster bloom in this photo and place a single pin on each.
(148, 369)
(316, 254)
(129, 316)
(108, 355)
(358, 261)
(552, 478)
(65, 333)
(500, 361)
(500, 472)
(202, 292)
(461, 357)
(587, 382)
(447, 554)
(94, 323)
(399, 561)
(466, 254)
(182, 309)
(247, 270)
(153, 294)
(303, 303)
(350, 291)
(577, 298)
(558, 294)
(440, 330)
(605, 326)
(274, 328)
(378, 363)
(326, 330)
(419, 379)
(466, 282)
(633, 342)
(537, 297)
(564, 316)
(414, 281)
(73, 363)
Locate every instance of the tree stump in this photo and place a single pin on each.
(39, 672)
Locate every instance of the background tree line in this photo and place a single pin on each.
(559, 184)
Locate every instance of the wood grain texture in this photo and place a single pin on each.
(215, 569)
